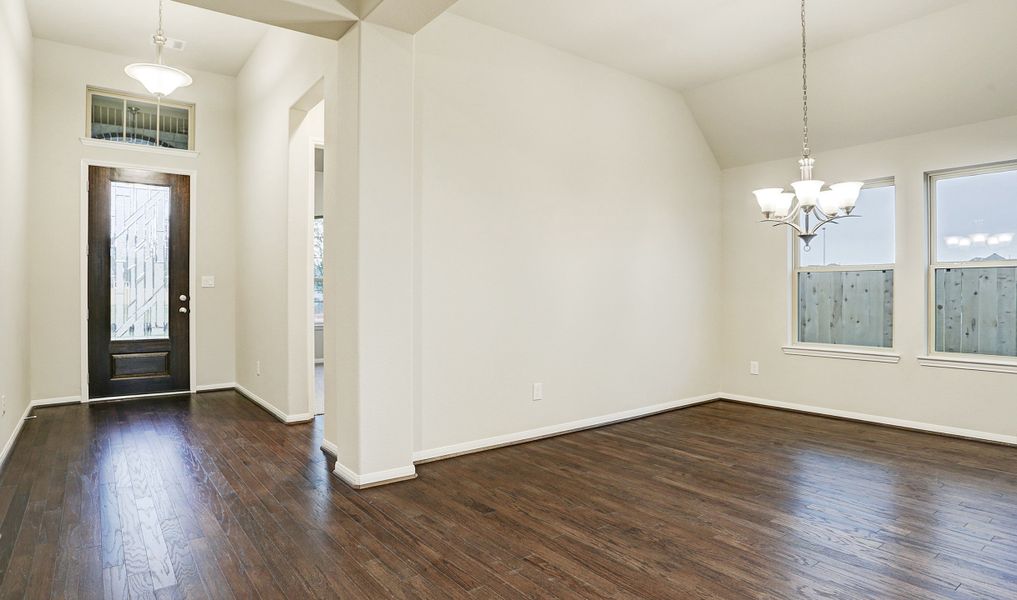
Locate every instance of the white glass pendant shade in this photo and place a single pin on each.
(1005, 238)
(807, 191)
(768, 199)
(829, 202)
(159, 80)
(783, 206)
(848, 192)
(979, 238)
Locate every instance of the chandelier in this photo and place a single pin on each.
(160, 80)
(809, 207)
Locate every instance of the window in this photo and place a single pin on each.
(319, 270)
(973, 272)
(127, 119)
(843, 285)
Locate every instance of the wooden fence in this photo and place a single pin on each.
(976, 310)
(846, 307)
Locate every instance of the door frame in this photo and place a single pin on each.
(192, 268)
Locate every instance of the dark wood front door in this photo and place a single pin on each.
(138, 282)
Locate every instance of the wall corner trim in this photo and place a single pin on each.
(844, 353)
(521, 437)
(367, 480)
(958, 432)
(275, 412)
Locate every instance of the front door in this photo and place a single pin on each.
(138, 282)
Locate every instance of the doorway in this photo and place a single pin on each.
(138, 282)
(318, 281)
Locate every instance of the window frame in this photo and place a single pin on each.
(190, 107)
(934, 357)
(846, 351)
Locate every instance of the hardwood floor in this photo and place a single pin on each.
(208, 496)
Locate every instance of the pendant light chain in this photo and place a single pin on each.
(805, 92)
(159, 38)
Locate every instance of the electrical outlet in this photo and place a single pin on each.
(538, 391)
(257, 368)
(754, 367)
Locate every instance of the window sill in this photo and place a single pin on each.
(969, 364)
(847, 353)
(138, 148)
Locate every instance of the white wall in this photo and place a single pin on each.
(15, 105)
(282, 69)
(757, 292)
(58, 122)
(568, 233)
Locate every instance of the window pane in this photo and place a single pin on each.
(107, 118)
(976, 310)
(319, 270)
(846, 307)
(865, 240)
(174, 124)
(141, 123)
(139, 261)
(976, 217)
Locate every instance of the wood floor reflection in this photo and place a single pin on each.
(207, 496)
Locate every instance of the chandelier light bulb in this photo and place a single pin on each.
(767, 199)
(829, 202)
(807, 192)
(783, 206)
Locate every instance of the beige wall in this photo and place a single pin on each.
(757, 290)
(58, 122)
(15, 105)
(568, 233)
(282, 69)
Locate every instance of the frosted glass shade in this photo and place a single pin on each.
(829, 202)
(768, 199)
(783, 206)
(807, 191)
(159, 80)
(848, 192)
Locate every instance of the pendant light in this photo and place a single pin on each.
(160, 80)
(809, 202)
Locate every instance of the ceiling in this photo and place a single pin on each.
(686, 43)
(216, 42)
(878, 69)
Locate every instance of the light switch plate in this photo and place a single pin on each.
(208, 281)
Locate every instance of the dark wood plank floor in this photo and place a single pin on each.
(208, 497)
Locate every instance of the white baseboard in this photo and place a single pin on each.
(509, 439)
(367, 480)
(855, 416)
(278, 414)
(9, 445)
(55, 401)
(215, 387)
(329, 447)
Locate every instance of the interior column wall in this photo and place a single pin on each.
(568, 234)
(280, 71)
(15, 105)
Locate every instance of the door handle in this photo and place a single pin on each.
(183, 309)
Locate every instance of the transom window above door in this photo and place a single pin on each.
(122, 118)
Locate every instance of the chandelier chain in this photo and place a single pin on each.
(805, 91)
